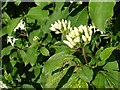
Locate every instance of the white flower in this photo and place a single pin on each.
(69, 25)
(2, 85)
(11, 40)
(90, 29)
(99, 31)
(73, 43)
(14, 40)
(59, 22)
(64, 24)
(77, 39)
(68, 43)
(75, 36)
(84, 38)
(72, 34)
(60, 26)
(86, 31)
(95, 30)
(80, 28)
(89, 38)
(52, 29)
(21, 25)
(76, 31)
(57, 25)
(69, 38)
(57, 32)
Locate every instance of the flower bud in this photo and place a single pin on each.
(68, 38)
(77, 39)
(57, 32)
(68, 43)
(84, 38)
(80, 28)
(52, 29)
(68, 24)
(76, 31)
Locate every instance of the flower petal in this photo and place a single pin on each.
(84, 38)
(68, 43)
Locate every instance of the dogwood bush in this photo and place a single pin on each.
(60, 44)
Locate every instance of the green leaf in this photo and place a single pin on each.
(32, 35)
(97, 54)
(22, 55)
(6, 51)
(93, 60)
(17, 3)
(13, 62)
(59, 5)
(99, 81)
(12, 24)
(44, 51)
(5, 18)
(106, 53)
(38, 13)
(14, 71)
(111, 66)
(27, 86)
(60, 48)
(41, 4)
(31, 55)
(48, 39)
(3, 31)
(54, 69)
(37, 70)
(57, 61)
(80, 19)
(58, 14)
(112, 79)
(75, 82)
(8, 77)
(100, 12)
(52, 80)
(86, 74)
(105, 79)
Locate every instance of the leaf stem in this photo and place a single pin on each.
(4, 5)
(83, 51)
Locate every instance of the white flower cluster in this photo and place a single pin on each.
(73, 38)
(79, 35)
(76, 36)
(60, 26)
(11, 40)
(2, 85)
(21, 26)
(87, 33)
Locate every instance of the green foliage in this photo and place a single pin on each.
(11, 25)
(100, 12)
(37, 13)
(108, 52)
(6, 51)
(36, 57)
(80, 19)
(44, 51)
